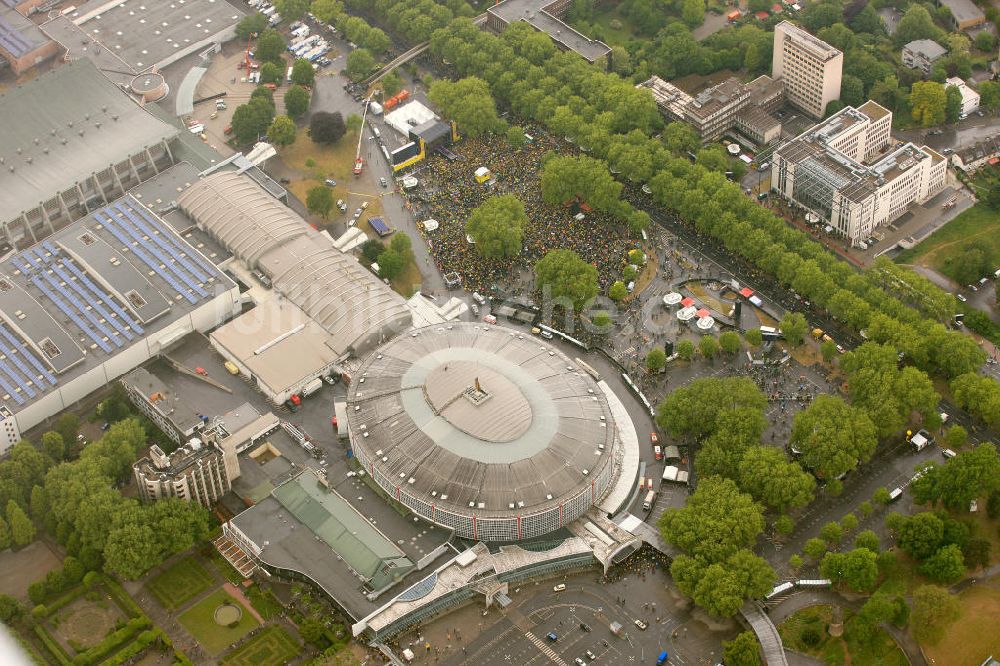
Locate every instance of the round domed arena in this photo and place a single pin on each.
(482, 429)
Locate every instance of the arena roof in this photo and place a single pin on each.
(350, 303)
(92, 290)
(150, 33)
(470, 413)
(61, 128)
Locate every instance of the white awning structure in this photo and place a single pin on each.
(687, 314)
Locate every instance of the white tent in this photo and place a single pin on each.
(408, 116)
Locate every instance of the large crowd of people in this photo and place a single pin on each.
(450, 193)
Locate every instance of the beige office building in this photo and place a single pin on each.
(810, 68)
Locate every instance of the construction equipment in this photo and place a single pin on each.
(359, 164)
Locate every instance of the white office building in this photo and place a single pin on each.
(849, 172)
(810, 68)
(970, 98)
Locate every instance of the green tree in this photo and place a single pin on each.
(693, 12)
(828, 349)
(271, 73)
(617, 291)
(969, 475)
(68, 427)
(821, 15)
(10, 609)
(796, 562)
(868, 21)
(856, 568)
(916, 24)
(832, 436)
(319, 201)
(708, 346)
(753, 337)
(515, 136)
(867, 539)
(717, 521)
(815, 548)
(401, 243)
(282, 131)
(564, 276)
(497, 226)
(852, 90)
(567, 179)
(920, 535)
(952, 103)
(312, 631)
(371, 249)
(947, 565)
(469, 103)
(849, 522)
(934, 610)
(680, 138)
(360, 64)
(784, 524)
(303, 73)
(22, 531)
(354, 122)
(392, 263)
(976, 552)
(53, 445)
(131, 551)
(270, 47)
(928, 101)
(253, 24)
(685, 350)
(765, 473)
(4, 534)
(832, 533)
(955, 437)
(656, 360)
(744, 650)
(865, 509)
(327, 10)
(698, 409)
(729, 341)
(326, 128)
(252, 119)
(392, 83)
(794, 328)
(989, 94)
(292, 10)
(881, 496)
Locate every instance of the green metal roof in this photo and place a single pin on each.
(347, 532)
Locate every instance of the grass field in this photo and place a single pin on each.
(200, 621)
(272, 646)
(978, 226)
(184, 580)
(833, 651)
(974, 636)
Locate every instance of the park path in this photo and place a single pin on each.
(167, 620)
(236, 593)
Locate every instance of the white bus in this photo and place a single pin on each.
(778, 591)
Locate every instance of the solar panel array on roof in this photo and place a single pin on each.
(21, 372)
(11, 39)
(157, 247)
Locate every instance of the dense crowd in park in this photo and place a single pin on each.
(451, 193)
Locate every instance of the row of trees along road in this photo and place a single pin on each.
(602, 113)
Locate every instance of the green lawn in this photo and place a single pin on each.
(978, 226)
(274, 646)
(184, 580)
(200, 621)
(833, 651)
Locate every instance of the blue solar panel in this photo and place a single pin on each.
(81, 308)
(27, 354)
(21, 381)
(12, 40)
(126, 317)
(195, 256)
(69, 313)
(133, 231)
(138, 230)
(165, 240)
(10, 389)
(58, 268)
(139, 252)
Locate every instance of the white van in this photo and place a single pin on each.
(647, 503)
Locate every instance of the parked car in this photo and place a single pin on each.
(330, 182)
(642, 625)
(382, 181)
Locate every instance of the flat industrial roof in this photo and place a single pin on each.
(93, 290)
(62, 128)
(278, 343)
(963, 10)
(927, 48)
(534, 13)
(144, 34)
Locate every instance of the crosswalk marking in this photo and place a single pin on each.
(544, 648)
